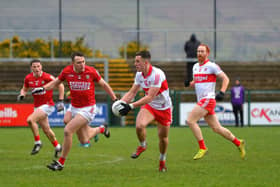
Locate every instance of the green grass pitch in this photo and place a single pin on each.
(108, 162)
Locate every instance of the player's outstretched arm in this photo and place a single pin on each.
(107, 89)
(51, 85)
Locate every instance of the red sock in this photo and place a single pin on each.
(61, 160)
(55, 143)
(37, 138)
(236, 142)
(201, 144)
(102, 129)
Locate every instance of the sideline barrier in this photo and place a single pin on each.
(15, 115)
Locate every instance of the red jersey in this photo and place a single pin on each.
(45, 97)
(81, 85)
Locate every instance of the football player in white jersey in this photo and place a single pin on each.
(155, 105)
(205, 73)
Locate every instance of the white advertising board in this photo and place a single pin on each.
(265, 113)
(223, 111)
(261, 113)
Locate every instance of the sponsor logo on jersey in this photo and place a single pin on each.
(79, 85)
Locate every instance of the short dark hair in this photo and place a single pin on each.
(144, 54)
(76, 53)
(34, 61)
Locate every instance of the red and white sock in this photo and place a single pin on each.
(236, 142)
(37, 139)
(102, 129)
(61, 160)
(55, 143)
(201, 144)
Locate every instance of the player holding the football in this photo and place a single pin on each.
(205, 73)
(80, 79)
(43, 103)
(155, 105)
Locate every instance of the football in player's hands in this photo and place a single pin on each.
(116, 107)
(126, 108)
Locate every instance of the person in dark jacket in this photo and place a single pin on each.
(191, 49)
(237, 101)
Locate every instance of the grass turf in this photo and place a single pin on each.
(108, 162)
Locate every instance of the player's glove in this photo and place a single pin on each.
(126, 108)
(20, 97)
(60, 106)
(38, 90)
(220, 96)
(187, 83)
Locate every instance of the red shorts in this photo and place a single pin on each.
(208, 104)
(164, 117)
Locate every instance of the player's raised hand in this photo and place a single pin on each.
(38, 90)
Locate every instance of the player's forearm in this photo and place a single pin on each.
(224, 84)
(51, 85)
(128, 97)
(23, 92)
(61, 91)
(144, 100)
(109, 91)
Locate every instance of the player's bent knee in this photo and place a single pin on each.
(67, 132)
(140, 126)
(29, 120)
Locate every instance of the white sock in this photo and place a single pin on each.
(143, 144)
(162, 156)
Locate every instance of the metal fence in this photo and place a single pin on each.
(231, 45)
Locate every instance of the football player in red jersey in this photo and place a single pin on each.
(82, 134)
(81, 82)
(43, 103)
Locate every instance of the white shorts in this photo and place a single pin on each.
(88, 112)
(48, 109)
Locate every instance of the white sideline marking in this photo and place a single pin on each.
(94, 163)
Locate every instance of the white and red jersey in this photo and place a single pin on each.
(45, 97)
(155, 78)
(81, 85)
(204, 77)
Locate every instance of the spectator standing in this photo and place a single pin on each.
(191, 52)
(237, 101)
